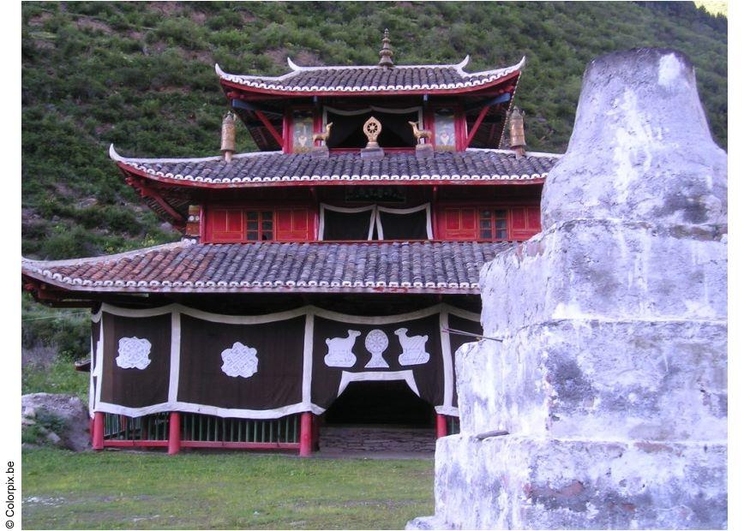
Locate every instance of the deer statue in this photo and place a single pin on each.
(420, 134)
(323, 136)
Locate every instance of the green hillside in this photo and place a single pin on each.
(140, 75)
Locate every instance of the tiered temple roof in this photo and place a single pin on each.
(260, 101)
(427, 267)
(185, 177)
(255, 169)
(170, 186)
(371, 80)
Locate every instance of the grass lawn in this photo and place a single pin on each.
(228, 490)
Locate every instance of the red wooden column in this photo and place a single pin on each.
(441, 425)
(173, 445)
(97, 431)
(306, 434)
(316, 433)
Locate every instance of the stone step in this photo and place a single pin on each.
(390, 440)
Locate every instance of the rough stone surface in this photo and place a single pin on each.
(75, 432)
(538, 483)
(601, 400)
(636, 379)
(590, 268)
(637, 110)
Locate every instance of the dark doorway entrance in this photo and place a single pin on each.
(380, 403)
(378, 418)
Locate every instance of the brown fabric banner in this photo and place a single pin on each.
(178, 359)
(241, 366)
(409, 350)
(136, 360)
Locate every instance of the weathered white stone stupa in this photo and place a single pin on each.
(599, 399)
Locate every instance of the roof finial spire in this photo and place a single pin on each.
(386, 53)
(517, 133)
(227, 136)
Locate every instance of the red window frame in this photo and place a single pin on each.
(252, 224)
(488, 223)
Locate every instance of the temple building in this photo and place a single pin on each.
(326, 278)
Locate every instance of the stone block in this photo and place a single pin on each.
(424, 151)
(530, 483)
(593, 269)
(372, 153)
(618, 380)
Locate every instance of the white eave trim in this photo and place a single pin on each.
(261, 81)
(114, 155)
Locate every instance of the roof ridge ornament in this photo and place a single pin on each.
(228, 147)
(292, 65)
(372, 129)
(114, 155)
(517, 133)
(386, 54)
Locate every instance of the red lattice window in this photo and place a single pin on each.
(515, 223)
(235, 225)
(259, 225)
(493, 224)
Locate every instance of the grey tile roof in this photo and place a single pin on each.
(373, 79)
(276, 267)
(277, 169)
